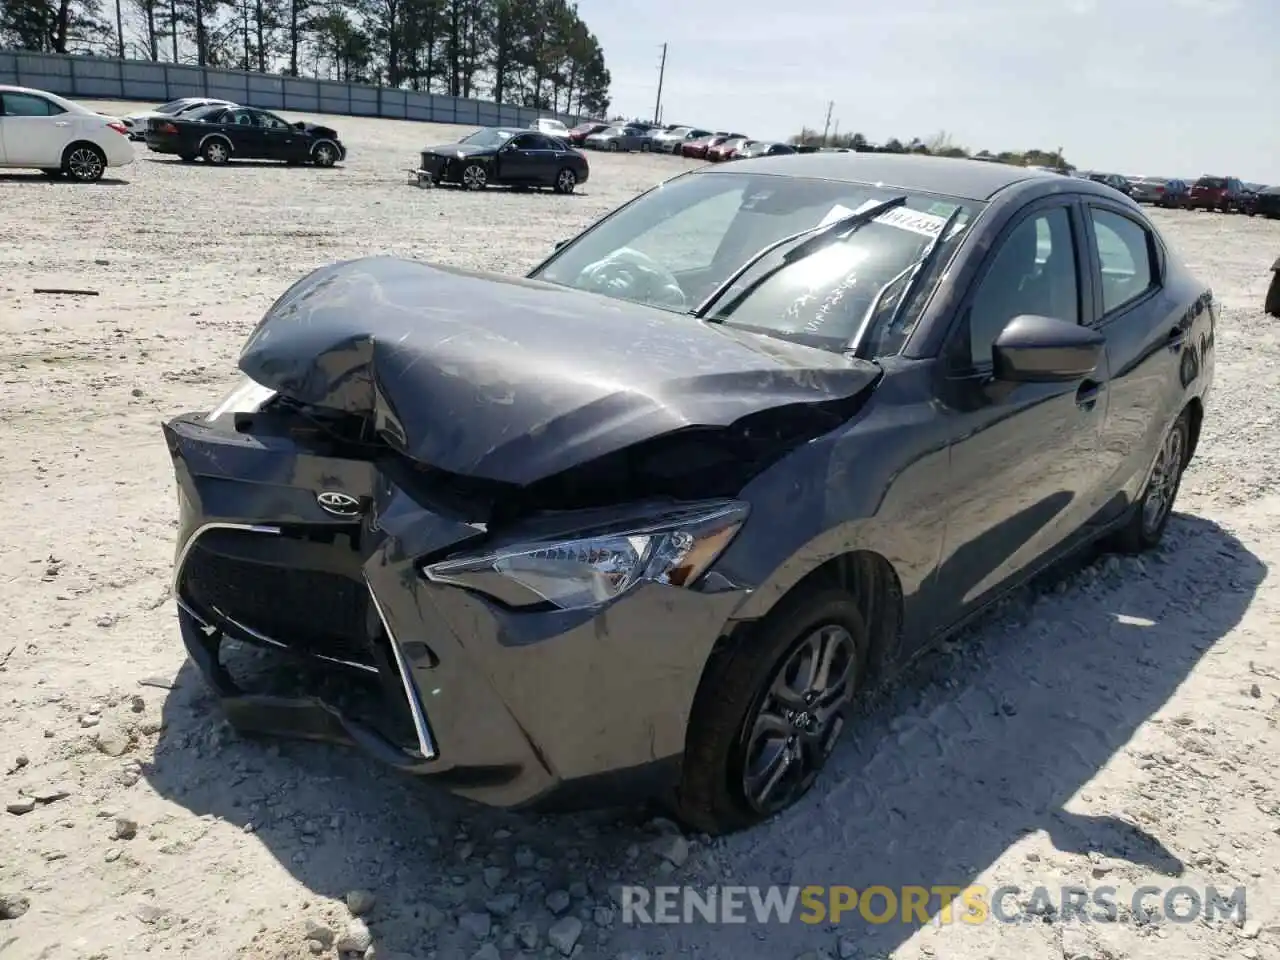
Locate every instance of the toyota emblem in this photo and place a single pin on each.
(339, 504)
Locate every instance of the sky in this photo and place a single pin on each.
(1139, 87)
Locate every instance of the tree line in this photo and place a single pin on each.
(940, 145)
(534, 53)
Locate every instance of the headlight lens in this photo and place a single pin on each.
(599, 565)
(247, 396)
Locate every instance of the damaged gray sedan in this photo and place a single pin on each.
(644, 523)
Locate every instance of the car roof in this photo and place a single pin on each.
(966, 179)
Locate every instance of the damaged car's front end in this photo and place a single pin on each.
(490, 510)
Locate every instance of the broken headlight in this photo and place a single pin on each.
(248, 396)
(595, 566)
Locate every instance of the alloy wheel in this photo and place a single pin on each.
(85, 164)
(799, 719)
(474, 177)
(1163, 485)
(216, 152)
(324, 155)
(566, 181)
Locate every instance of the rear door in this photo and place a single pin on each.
(1147, 331)
(36, 130)
(248, 139)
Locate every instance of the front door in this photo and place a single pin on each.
(280, 140)
(518, 161)
(36, 130)
(1024, 457)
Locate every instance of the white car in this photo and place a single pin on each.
(42, 131)
(553, 127)
(137, 122)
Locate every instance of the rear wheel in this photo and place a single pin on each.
(216, 152)
(770, 710)
(1152, 512)
(84, 162)
(566, 181)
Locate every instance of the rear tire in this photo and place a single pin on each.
(1151, 513)
(84, 162)
(566, 181)
(734, 727)
(1272, 305)
(216, 152)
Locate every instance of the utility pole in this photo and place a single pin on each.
(831, 105)
(119, 31)
(662, 70)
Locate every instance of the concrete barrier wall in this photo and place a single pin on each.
(100, 78)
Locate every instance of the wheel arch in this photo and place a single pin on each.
(66, 151)
(874, 584)
(231, 148)
(336, 149)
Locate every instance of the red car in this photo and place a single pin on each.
(1217, 193)
(726, 149)
(697, 149)
(578, 135)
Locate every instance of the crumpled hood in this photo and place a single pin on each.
(456, 149)
(517, 380)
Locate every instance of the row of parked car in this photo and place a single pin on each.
(1209, 192)
(637, 136)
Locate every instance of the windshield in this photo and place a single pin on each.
(204, 113)
(488, 137)
(675, 245)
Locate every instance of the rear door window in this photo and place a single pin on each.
(1125, 254)
(27, 105)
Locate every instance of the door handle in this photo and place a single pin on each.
(1087, 395)
(1177, 336)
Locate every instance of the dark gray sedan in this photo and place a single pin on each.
(648, 521)
(618, 139)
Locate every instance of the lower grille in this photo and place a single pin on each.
(316, 612)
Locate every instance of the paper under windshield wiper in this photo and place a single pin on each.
(817, 237)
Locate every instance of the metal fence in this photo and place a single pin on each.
(100, 78)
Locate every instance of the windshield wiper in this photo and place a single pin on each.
(818, 237)
(916, 270)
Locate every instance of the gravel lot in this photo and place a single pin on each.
(1112, 725)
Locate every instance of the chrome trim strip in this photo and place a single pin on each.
(426, 744)
(258, 635)
(200, 531)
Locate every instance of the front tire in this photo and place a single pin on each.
(324, 155)
(770, 710)
(1151, 513)
(475, 176)
(613, 146)
(84, 163)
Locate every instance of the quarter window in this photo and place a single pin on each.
(1124, 253)
(1033, 273)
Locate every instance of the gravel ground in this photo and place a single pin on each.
(1111, 725)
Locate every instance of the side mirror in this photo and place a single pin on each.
(1035, 349)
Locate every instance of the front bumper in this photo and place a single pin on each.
(514, 709)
